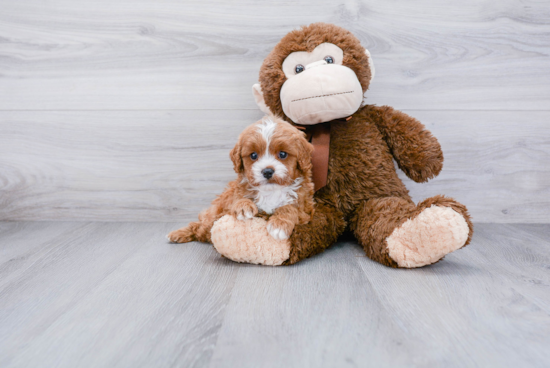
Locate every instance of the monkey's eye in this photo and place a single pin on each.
(283, 155)
(299, 68)
(329, 59)
(254, 156)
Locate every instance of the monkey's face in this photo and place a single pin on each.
(315, 74)
(318, 87)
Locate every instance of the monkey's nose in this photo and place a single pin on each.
(268, 173)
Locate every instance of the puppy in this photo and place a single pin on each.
(273, 162)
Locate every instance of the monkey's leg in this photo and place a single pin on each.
(249, 241)
(326, 224)
(396, 233)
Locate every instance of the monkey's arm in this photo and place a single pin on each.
(415, 149)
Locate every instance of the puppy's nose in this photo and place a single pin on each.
(268, 173)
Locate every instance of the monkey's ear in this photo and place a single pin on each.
(371, 65)
(235, 156)
(259, 97)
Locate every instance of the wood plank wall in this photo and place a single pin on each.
(120, 110)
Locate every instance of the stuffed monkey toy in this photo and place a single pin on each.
(315, 78)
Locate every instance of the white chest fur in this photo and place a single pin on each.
(269, 197)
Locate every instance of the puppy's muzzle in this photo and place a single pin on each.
(268, 173)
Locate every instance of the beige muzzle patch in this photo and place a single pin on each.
(323, 92)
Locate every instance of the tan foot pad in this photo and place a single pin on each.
(428, 237)
(248, 241)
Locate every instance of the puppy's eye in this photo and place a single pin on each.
(283, 155)
(329, 59)
(299, 68)
(254, 156)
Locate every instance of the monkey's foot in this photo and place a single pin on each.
(428, 237)
(248, 241)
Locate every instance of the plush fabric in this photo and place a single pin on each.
(307, 39)
(248, 241)
(329, 95)
(317, 55)
(426, 238)
(363, 192)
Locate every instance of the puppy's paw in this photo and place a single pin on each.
(244, 209)
(280, 229)
(180, 236)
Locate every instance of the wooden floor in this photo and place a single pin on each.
(118, 295)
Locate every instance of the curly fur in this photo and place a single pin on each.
(363, 192)
(307, 39)
(243, 196)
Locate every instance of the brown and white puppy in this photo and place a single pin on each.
(273, 162)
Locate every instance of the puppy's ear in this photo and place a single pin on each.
(235, 156)
(304, 157)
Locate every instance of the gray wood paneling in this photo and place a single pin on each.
(119, 54)
(117, 165)
(167, 165)
(125, 110)
(497, 163)
(118, 295)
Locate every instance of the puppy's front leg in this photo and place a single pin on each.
(244, 209)
(282, 223)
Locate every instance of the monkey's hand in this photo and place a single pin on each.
(415, 149)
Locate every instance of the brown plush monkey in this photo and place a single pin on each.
(315, 77)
